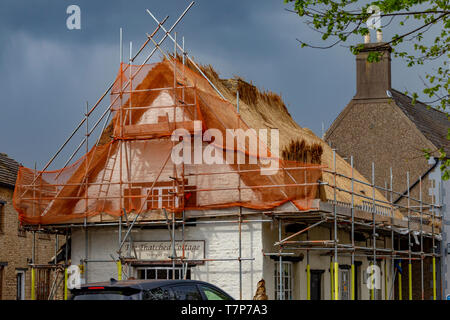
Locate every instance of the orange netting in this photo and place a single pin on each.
(133, 168)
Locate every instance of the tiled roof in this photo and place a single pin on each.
(431, 122)
(8, 170)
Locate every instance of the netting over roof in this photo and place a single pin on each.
(133, 166)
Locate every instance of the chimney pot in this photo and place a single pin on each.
(379, 36)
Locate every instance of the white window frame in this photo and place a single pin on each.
(22, 275)
(158, 191)
(168, 268)
(288, 290)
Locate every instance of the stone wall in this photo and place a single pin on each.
(16, 249)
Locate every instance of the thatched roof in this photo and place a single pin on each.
(265, 109)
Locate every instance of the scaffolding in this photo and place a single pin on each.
(364, 213)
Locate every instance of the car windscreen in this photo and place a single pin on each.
(130, 294)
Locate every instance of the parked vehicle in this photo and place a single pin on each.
(149, 290)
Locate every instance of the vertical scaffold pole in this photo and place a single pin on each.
(66, 263)
(174, 253)
(33, 270)
(353, 281)
(392, 230)
(120, 110)
(308, 272)
(386, 297)
(240, 252)
(331, 271)
(400, 284)
(119, 270)
(120, 146)
(434, 278)
(56, 258)
(65, 284)
(184, 270)
(336, 264)
(433, 245)
(409, 242)
(34, 236)
(119, 261)
(374, 235)
(386, 286)
(280, 261)
(421, 239)
(129, 163)
(86, 238)
(56, 248)
(121, 46)
(240, 209)
(175, 182)
(119, 266)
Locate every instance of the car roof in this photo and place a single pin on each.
(141, 284)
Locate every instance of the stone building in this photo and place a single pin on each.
(381, 125)
(16, 244)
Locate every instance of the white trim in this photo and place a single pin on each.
(22, 288)
(287, 289)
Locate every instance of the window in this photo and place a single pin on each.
(157, 195)
(2, 215)
(162, 197)
(212, 294)
(20, 278)
(186, 292)
(284, 293)
(163, 272)
(345, 284)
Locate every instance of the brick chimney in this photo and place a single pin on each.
(373, 79)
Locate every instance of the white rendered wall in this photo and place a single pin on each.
(221, 241)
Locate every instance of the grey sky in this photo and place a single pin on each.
(48, 72)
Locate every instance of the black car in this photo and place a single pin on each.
(149, 290)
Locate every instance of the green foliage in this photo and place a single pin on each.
(339, 20)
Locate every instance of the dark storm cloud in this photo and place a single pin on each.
(49, 72)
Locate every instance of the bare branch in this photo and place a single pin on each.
(317, 47)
